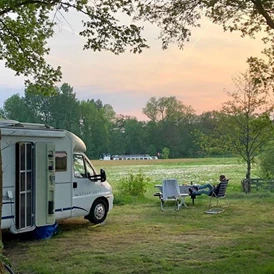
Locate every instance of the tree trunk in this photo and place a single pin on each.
(246, 181)
(1, 200)
(248, 170)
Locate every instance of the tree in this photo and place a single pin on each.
(166, 108)
(135, 136)
(165, 153)
(40, 104)
(60, 110)
(173, 121)
(94, 128)
(64, 109)
(26, 25)
(154, 138)
(176, 18)
(244, 125)
(266, 161)
(16, 108)
(207, 121)
(206, 124)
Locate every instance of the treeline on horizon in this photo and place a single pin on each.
(171, 127)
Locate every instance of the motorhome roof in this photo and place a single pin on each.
(14, 123)
(15, 128)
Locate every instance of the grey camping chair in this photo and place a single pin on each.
(171, 192)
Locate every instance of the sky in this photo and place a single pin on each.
(198, 75)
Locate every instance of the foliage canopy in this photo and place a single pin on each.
(26, 26)
(266, 161)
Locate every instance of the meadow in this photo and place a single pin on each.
(139, 238)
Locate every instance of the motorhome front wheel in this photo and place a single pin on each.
(98, 212)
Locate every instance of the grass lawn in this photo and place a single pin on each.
(140, 238)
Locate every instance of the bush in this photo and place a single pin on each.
(266, 161)
(165, 153)
(133, 185)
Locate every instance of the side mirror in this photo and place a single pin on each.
(103, 175)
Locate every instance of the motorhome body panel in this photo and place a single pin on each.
(10, 138)
(44, 184)
(67, 200)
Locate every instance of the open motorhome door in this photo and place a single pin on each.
(45, 183)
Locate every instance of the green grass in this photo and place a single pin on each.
(140, 238)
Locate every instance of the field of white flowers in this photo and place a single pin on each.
(198, 171)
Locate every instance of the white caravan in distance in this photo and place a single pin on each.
(47, 177)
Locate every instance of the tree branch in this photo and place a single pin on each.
(18, 42)
(264, 13)
(29, 2)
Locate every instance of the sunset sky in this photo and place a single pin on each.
(197, 75)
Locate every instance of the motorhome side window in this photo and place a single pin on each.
(60, 161)
(81, 167)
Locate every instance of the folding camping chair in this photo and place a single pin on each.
(219, 193)
(171, 192)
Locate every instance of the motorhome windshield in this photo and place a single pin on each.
(82, 167)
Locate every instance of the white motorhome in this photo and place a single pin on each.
(47, 177)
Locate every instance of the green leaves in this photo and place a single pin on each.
(266, 161)
(167, 108)
(26, 26)
(133, 184)
(23, 34)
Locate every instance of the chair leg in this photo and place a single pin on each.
(222, 203)
(162, 204)
(182, 203)
(210, 199)
(177, 205)
(226, 201)
(219, 201)
(193, 197)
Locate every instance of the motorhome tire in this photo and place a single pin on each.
(98, 212)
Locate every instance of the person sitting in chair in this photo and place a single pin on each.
(207, 188)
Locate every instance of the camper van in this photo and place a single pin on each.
(47, 177)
